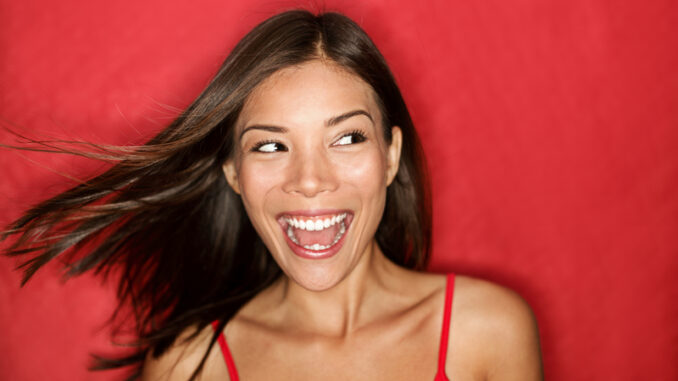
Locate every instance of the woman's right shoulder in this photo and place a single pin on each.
(181, 359)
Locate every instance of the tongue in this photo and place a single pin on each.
(324, 237)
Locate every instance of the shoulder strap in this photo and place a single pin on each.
(230, 364)
(444, 336)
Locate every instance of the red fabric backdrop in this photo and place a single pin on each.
(551, 129)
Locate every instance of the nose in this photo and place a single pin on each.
(310, 173)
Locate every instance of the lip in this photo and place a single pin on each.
(315, 254)
(313, 212)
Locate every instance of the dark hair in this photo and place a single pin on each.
(165, 221)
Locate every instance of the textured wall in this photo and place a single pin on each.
(551, 129)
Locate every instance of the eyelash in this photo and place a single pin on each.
(360, 134)
(262, 143)
(357, 133)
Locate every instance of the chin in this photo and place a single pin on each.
(317, 280)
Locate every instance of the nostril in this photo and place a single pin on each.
(310, 173)
(310, 185)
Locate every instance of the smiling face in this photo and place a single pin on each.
(312, 166)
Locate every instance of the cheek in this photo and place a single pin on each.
(256, 179)
(365, 171)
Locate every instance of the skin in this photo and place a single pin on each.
(355, 315)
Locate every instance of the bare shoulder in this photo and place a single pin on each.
(499, 327)
(492, 303)
(183, 358)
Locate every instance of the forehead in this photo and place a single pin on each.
(307, 93)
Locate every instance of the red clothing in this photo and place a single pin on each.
(442, 351)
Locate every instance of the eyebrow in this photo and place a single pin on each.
(340, 118)
(333, 121)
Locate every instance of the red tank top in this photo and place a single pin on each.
(442, 350)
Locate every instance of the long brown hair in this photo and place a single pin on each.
(164, 219)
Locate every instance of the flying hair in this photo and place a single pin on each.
(163, 219)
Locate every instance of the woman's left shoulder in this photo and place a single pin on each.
(500, 324)
(492, 302)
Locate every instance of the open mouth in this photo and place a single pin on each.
(315, 236)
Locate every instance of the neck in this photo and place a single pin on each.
(349, 305)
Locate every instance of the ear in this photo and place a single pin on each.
(231, 175)
(393, 155)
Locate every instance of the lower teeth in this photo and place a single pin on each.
(316, 246)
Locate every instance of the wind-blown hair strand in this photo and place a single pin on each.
(164, 219)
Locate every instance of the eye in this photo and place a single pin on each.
(268, 146)
(352, 137)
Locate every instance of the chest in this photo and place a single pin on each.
(386, 353)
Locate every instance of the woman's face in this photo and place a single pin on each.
(312, 166)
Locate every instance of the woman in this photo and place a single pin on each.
(285, 215)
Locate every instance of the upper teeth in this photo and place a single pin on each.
(315, 225)
(317, 246)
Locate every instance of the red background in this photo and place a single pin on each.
(550, 127)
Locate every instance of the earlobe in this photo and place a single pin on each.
(394, 154)
(231, 175)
